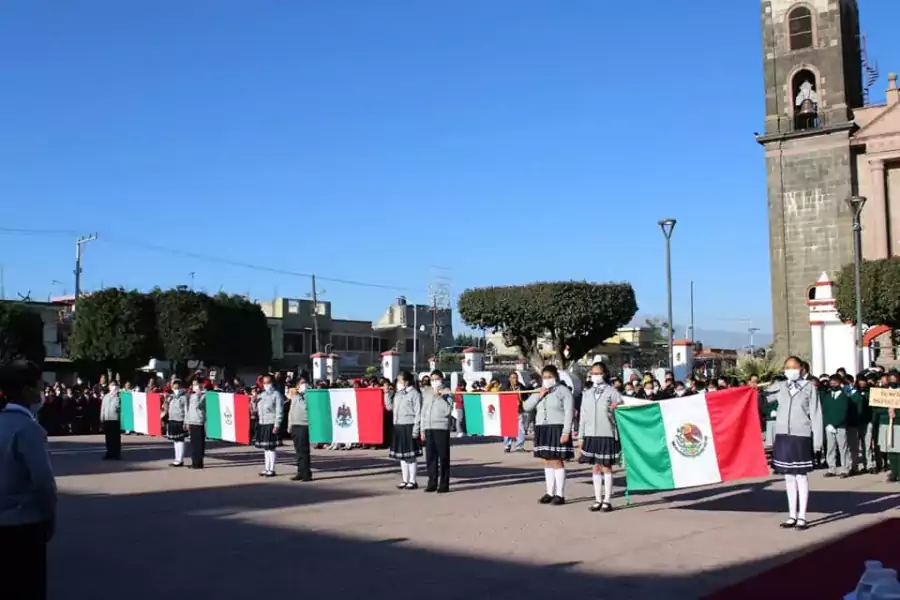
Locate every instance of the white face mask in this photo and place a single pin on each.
(629, 392)
(268, 387)
(437, 384)
(303, 387)
(792, 374)
(196, 388)
(401, 385)
(113, 389)
(679, 393)
(597, 379)
(548, 383)
(648, 391)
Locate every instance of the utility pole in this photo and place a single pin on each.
(315, 314)
(752, 331)
(692, 311)
(192, 280)
(2, 283)
(78, 244)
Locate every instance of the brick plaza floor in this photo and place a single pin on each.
(137, 529)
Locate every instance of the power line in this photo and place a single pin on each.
(198, 256)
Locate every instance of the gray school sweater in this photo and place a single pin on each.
(178, 406)
(798, 414)
(596, 418)
(109, 407)
(556, 408)
(436, 409)
(27, 485)
(406, 405)
(196, 409)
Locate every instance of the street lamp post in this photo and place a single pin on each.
(856, 204)
(668, 226)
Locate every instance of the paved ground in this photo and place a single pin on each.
(136, 529)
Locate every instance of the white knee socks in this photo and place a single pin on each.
(270, 460)
(549, 480)
(179, 452)
(803, 493)
(607, 487)
(790, 483)
(559, 475)
(598, 486)
(413, 465)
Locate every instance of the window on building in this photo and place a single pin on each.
(800, 28)
(354, 343)
(293, 343)
(339, 343)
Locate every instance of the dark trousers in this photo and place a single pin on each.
(23, 556)
(437, 457)
(112, 431)
(198, 445)
(300, 435)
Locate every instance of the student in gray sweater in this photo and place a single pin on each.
(27, 485)
(196, 422)
(406, 406)
(112, 427)
(555, 407)
(298, 421)
(437, 408)
(597, 434)
(176, 410)
(269, 410)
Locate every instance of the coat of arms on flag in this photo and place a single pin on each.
(344, 416)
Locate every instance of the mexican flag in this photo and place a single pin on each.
(141, 412)
(690, 441)
(492, 414)
(346, 416)
(228, 417)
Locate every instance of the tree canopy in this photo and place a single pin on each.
(122, 329)
(116, 328)
(21, 333)
(880, 290)
(574, 316)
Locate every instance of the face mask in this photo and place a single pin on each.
(679, 393)
(113, 389)
(629, 392)
(548, 383)
(401, 385)
(648, 391)
(268, 387)
(196, 388)
(437, 384)
(597, 379)
(303, 387)
(792, 374)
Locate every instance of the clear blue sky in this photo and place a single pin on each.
(510, 140)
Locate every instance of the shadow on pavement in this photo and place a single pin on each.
(200, 543)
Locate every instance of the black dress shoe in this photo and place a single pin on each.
(789, 524)
(546, 499)
(607, 507)
(507, 449)
(443, 490)
(430, 489)
(845, 475)
(402, 486)
(299, 477)
(801, 525)
(596, 506)
(828, 474)
(411, 486)
(558, 501)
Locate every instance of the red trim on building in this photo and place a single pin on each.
(682, 343)
(873, 333)
(472, 350)
(811, 323)
(820, 302)
(824, 283)
(319, 355)
(390, 353)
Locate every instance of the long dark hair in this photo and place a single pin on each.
(408, 379)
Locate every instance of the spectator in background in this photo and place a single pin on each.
(515, 386)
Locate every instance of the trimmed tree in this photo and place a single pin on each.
(184, 324)
(21, 333)
(880, 290)
(240, 333)
(115, 328)
(574, 316)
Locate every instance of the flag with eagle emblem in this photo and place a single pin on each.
(695, 440)
(492, 414)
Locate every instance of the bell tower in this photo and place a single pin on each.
(813, 81)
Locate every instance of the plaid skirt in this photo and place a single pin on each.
(403, 445)
(792, 454)
(265, 439)
(603, 451)
(547, 445)
(176, 431)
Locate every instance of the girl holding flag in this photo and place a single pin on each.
(406, 405)
(599, 446)
(176, 410)
(555, 408)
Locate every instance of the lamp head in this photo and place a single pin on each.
(667, 226)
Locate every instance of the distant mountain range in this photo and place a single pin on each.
(715, 338)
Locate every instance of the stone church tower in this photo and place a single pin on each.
(813, 81)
